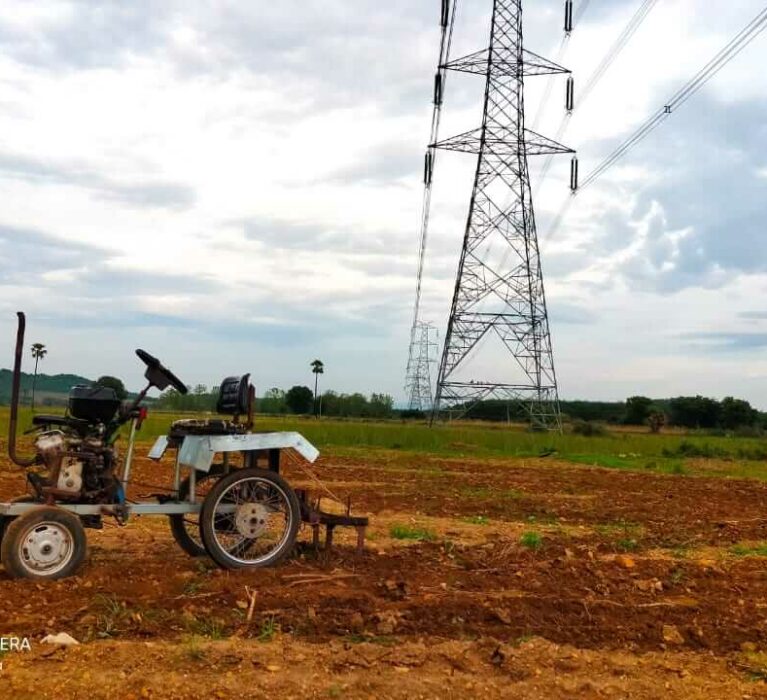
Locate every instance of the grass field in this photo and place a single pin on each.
(672, 452)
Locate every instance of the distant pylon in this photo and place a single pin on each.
(418, 382)
(499, 295)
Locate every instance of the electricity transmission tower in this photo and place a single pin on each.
(418, 383)
(499, 295)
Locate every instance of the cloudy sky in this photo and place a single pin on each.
(236, 186)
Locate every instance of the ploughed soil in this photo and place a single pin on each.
(480, 578)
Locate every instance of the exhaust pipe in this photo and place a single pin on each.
(15, 390)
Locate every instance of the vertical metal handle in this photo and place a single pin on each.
(129, 454)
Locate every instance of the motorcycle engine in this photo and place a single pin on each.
(81, 468)
(70, 475)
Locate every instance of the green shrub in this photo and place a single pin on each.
(587, 428)
(531, 540)
(691, 449)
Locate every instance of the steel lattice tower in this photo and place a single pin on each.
(418, 382)
(499, 294)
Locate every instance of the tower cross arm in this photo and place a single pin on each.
(480, 62)
(502, 142)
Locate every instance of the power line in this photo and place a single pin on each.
(581, 10)
(447, 22)
(439, 92)
(559, 58)
(737, 44)
(550, 82)
(609, 58)
(615, 50)
(733, 48)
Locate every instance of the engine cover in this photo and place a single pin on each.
(71, 475)
(50, 443)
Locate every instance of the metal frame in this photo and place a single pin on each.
(418, 387)
(196, 453)
(499, 290)
(198, 456)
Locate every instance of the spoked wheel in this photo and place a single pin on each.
(186, 526)
(44, 543)
(250, 519)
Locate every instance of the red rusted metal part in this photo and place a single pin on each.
(316, 517)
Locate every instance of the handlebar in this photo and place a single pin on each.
(158, 375)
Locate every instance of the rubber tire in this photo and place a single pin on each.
(6, 520)
(9, 550)
(207, 519)
(177, 526)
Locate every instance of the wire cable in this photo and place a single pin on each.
(593, 80)
(581, 10)
(615, 50)
(550, 83)
(444, 56)
(559, 58)
(733, 48)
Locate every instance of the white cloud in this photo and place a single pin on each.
(268, 157)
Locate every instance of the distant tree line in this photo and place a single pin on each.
(683, 411)
(696, 412)
(297, 400)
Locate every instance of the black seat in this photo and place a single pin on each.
(233, 400)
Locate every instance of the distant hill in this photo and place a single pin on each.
(51, 390)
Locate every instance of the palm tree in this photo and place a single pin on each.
(318, 368)
(38, 352)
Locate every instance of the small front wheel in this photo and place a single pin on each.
(45, 543)
(250, 519)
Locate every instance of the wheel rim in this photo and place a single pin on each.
(46, 548)
(252, 519)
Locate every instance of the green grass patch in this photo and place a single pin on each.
(477, 520)
(209, 627)
(755, 550)
(192, 650)
(269, 627)
(487, 493)
(405, 532)
(110, 614)
(680, 552)
(627, 544)
(625, 535)
(531, 540)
